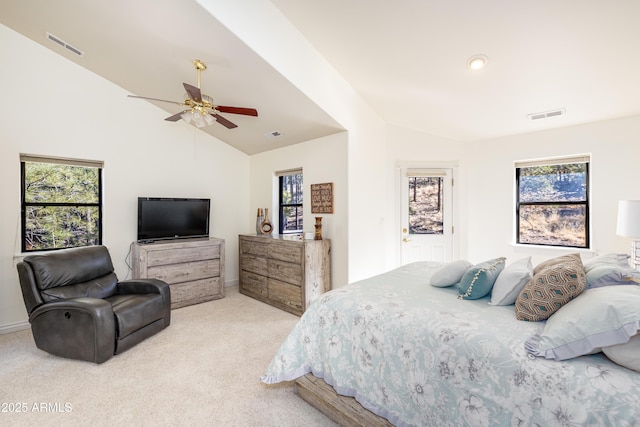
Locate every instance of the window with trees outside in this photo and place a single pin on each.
(61, 203)
(290, 201)
(552, 202)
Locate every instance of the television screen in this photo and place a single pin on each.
(172, 218)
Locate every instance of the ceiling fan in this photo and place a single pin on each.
(202, 111)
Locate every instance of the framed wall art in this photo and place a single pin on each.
(322, 198)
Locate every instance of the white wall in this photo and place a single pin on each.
(50, 106)
(485, 188)
(488, 191)
(322, 160)
(263, 28)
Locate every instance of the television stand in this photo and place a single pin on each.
(193, 268)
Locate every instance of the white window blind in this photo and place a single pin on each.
(61, 160)
(289, 172)
(581, 158)
(426, 172)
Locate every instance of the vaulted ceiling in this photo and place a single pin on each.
(407, 59)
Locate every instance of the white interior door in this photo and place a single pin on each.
(427, 226)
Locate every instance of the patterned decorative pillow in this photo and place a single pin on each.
(478, 281)
(557, 282)
(557, 260)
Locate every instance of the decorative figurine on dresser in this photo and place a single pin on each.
(285, 273)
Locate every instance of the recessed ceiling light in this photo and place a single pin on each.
(477, 61)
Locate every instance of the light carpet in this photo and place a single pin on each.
(203, 370)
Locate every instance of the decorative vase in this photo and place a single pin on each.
(266, 227)
(318, 235)
(259, 220)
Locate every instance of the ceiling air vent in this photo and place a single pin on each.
(274, 134)
(65, 45)
(546, 114)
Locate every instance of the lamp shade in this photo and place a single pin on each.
(628, 218)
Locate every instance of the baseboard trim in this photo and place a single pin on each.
(14, 327)
(232, 283)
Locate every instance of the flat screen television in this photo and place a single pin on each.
(161, 218)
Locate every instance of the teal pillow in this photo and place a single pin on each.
(478, 281)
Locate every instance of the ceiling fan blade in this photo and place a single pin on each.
(194, 92)
(176, 116)
(224, 122)
(238, 110)
(154, 99)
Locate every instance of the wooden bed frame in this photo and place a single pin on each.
(344, 410)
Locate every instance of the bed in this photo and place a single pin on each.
(417, 352)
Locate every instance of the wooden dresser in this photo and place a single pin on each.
(193, 268)
(288, 274)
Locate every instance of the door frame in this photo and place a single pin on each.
(397, 234)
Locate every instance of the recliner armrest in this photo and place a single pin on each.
(142, 286)
(98, 308)
(79, 328)
(148, 286)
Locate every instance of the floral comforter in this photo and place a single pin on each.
(418, 356)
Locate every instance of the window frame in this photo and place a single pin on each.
(281, 206)
(29, 158)
(567, 160)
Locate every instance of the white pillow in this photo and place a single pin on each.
(627, 354)
(618, 260)
(598, 317)
(450, 273)
(511, 281)
(610, 275)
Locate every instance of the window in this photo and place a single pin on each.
(61, 203)
(290, 201)
(426, 208)
(552, 202)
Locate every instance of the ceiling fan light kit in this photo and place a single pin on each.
(198, 119)
(202, 111)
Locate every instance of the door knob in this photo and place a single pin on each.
(406, 240)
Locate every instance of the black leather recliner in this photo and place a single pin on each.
(78, 309)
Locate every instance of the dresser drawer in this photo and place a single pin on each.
(285, 271)
(253, 284)
(187, 271)
(286, 296)
(251, 247)
(172, 256)
(254, 264)
(188, 293)
(286, 251)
